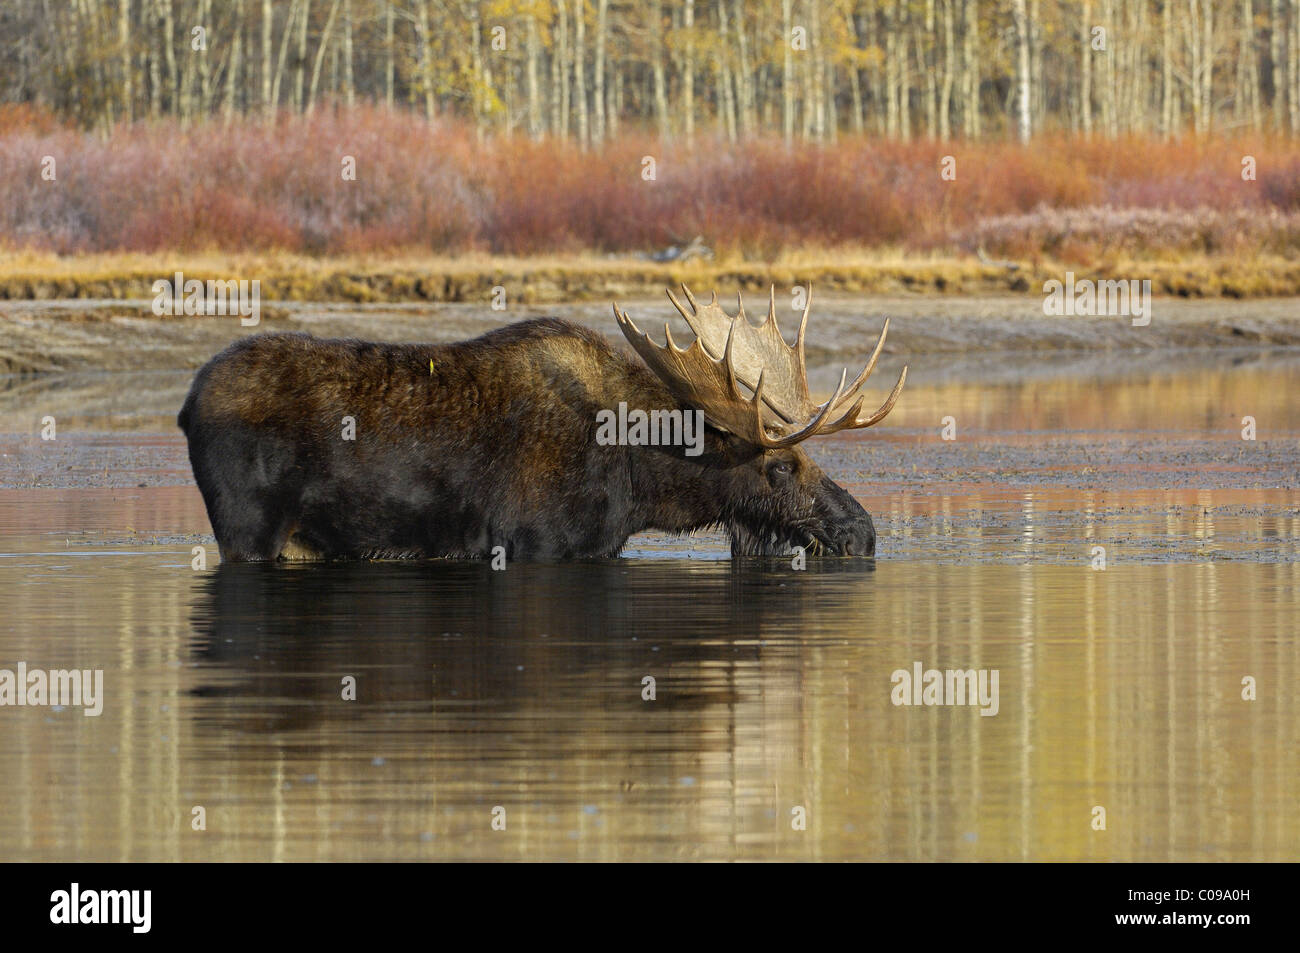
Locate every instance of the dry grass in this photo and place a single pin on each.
(544, 279)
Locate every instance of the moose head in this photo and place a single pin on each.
(752, 388)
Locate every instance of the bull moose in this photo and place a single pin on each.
(347, 449)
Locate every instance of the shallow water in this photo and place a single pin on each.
(523, 690)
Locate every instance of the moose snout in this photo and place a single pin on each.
(848, 525)
(859, 539)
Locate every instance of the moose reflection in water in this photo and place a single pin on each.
(451, 633)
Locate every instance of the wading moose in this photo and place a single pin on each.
(338, 449)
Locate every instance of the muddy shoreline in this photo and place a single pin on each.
(60, 336)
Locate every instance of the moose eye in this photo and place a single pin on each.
(779, 470)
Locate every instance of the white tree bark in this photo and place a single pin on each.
(1022, 69)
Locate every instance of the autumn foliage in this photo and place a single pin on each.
(249, 185)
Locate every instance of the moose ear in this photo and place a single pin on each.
(738, 449)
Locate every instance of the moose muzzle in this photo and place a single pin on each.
(846, 526)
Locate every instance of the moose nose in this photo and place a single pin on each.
(859, 539)
(847, 525)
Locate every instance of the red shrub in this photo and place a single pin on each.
(252, 185)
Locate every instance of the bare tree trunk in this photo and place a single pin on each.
(128, 73)
(1207, 47)
(333, 85)
(925, 60)
(1277, 68)
(1200, 28)
(892, 95)
(300, 65)
(189, 65)
(1124, 55)
(155, 69)
(1293, 68)
(563, 52)
(598, 84)
(726, 101)
(807, 101)
(688, 69)
(1243, 97)
(949, 71)
(905, 74)
(534, 93)
(555, 70)
(284, 48)
(816, 121)
(425, 39)
(1109, 117)
(268, 24)
(482, 77)
(828, 97)
(1167, 68)
(320, 55)
(970, 46)
(232, 71)
(1192, 40)
(205, 65)
(745, 86)
(390, 55)
(349, 81)
(855, 78)
(1022, 68)
(185, 84)
(580, 108)
(660, 80)
(1139, 71)
(1036, 82)
(1085, 65)
(615, 106)
(787, 72)
(169, 36)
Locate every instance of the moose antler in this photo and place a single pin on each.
(728, 350)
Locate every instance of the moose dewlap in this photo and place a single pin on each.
(343, 449)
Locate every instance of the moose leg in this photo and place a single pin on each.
(252, 503)
(251, 526)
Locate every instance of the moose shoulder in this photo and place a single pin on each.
(305, 447)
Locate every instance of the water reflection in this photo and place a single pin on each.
(524, 689)
(443, 636)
